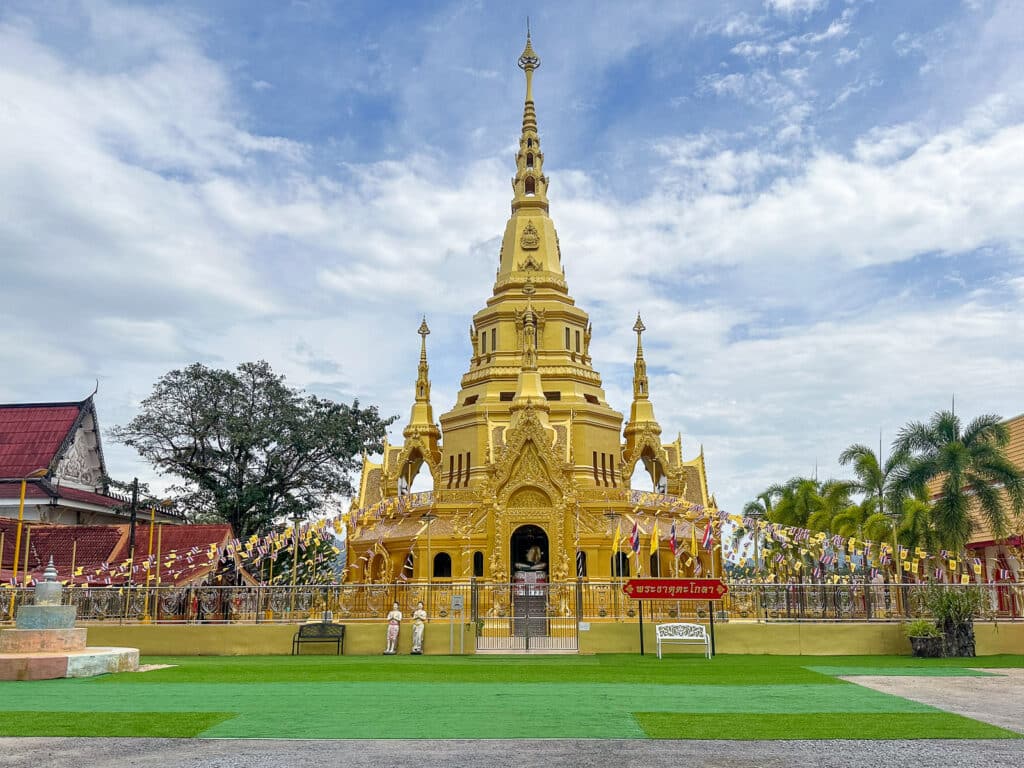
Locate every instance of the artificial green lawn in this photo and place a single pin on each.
(681, 696)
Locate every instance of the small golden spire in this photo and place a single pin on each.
(422, 382)
(640, 388)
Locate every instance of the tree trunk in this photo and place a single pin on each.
(958, 639)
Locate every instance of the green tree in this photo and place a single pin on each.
(247, 448)
(962, 465)
(797, 500)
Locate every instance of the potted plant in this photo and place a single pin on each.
(953, 608)
(925, 639)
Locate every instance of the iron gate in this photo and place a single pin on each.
(526, 617)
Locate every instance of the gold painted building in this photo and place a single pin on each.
(531, 455)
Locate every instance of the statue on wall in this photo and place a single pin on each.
(394, 624)
(419, 621)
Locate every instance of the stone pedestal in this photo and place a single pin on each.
(46, 644)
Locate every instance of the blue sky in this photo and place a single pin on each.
(817, 206)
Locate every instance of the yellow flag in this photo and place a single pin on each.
(654, 539)
(965, 579)
(693, 538)
(618, 537)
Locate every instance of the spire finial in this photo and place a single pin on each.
(639, 366)
(422, 382)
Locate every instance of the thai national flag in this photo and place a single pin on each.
(634, 539)
(672, 539)
(708, 540)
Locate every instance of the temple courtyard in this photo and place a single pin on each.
(732, 697)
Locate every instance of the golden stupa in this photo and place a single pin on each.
(531, 467)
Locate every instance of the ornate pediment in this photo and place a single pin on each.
(81, 462)
(529, 459)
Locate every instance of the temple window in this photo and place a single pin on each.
(529, 160)
(611, 468)
(451, 470)
(478, 564)
(494, 339)
(458, 480)
(592, 399)
(483, 343)
(529, 143)
(568, 338)
(577, 341)
(620, 564)
(597, 481)
(465, 479)
(604, 469)
(530, 187)
(506, 397)
(553, 395)
(471, 399)
(442, 565)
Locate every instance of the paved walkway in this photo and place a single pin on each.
(205, 753)
(998, 700)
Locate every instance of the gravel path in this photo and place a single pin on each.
(998, 700)
(563, 753)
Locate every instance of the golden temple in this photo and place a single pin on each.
(531, 467)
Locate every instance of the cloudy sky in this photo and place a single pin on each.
(817, 205)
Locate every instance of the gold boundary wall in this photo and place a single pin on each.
(367, 639)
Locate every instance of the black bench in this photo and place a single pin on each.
(321, 632)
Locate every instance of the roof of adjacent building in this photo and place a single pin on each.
(32, 435)
(94, 553)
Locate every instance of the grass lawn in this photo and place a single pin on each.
(681, 696)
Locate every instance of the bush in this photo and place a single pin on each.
(922, 628)
(953, 606)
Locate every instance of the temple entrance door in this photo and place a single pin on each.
(529, 555)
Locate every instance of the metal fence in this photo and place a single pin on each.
(492, 605)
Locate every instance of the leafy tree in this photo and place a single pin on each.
(961, 465)
(797, 500)
(247, 448)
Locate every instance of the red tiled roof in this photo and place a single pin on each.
(30, 435)
(34, 491)
(108, 544)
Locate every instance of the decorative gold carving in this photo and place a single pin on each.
(529, 497)
(530, 239)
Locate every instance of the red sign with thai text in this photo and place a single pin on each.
(675, 589)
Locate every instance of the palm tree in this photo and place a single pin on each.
(797, 501)
(874, 478)
(961, 464)
(834, 496)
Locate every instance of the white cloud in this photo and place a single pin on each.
(791, 7)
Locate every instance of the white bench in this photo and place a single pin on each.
(686, 634)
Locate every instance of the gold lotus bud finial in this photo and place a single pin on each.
(639, 326)
(529, 60)
(424, 328)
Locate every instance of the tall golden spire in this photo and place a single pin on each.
(642, 409)
(530, 185)
(640, 387)
(422, 382)
(422, 415)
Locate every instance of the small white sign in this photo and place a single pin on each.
(584, 626)
(457, 602)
